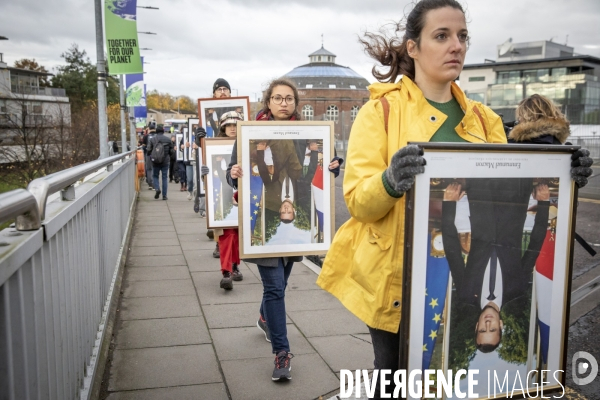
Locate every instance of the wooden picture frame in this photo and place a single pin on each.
(219, 106)
(516, 325)
(221, 210)
(286, 191)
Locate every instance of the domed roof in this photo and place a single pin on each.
(323, 73)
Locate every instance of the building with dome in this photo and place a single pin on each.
(329, 91)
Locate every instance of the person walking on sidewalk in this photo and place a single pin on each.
(221, 89)
(160, 149)
(172, 161)
(227, 239)
(280, 104)
(148, 134)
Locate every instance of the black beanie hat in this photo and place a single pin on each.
(160, 129)
(221, 83)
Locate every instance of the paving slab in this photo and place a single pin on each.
(158, 228)
(163, 250)
(137, 334)
(304, 280)
(158, 288)
(156, 261)
(163, 241)
(296, 300)
(153, 218)
(143, 235)
(156, 273)
(214, 277)
(233, 315)
(249, 342)
(159, 307)
(327, 322)
(201, 255)
(184, 238)
(251, 379)
(190, 228)
(163, 367)
(209, 391)
(344, 352)
(251, 293)
(205, 265)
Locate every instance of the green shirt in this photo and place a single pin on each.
(455, 114)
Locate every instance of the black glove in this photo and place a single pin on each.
(200, 132)
(405, 164)
(204, 169)
(580, 167)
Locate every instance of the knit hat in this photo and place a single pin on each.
(221, 83)
(230, 117)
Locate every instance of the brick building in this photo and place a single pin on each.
(329, 91)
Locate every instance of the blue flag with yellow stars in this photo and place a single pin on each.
(436, 283)
(256, 185)
(216, 191)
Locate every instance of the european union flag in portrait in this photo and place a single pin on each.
(256, 186)
(436, 283)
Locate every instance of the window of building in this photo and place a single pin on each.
(476, 96)
(332, 113)
(309, 86)
(352, 86)
(308, 113)
(477, 79)
(3, 107)
(332, 86)
(354, 112)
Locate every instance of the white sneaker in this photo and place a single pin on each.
(189, 196)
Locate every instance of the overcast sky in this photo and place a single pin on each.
(249, 42)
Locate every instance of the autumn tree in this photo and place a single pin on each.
(166, 101)
(32, 65)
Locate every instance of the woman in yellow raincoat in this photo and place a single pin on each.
(364, 265)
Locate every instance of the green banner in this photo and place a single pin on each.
(120, 25)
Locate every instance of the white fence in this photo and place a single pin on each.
(57, 271)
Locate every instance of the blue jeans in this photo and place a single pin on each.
(189, 172)
(272, 308)
(165, 177)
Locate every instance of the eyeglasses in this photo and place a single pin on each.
(288, 100)
(223, 90)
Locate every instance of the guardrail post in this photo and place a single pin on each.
(68, 193)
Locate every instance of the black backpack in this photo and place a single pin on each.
(158, 152)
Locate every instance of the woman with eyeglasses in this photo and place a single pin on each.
(280, 104)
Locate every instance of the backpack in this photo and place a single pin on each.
(158, 152)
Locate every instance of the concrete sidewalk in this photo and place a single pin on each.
(179, 336)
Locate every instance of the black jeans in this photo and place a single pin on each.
(386, 346)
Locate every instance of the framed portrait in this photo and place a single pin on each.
(211, 109)
(192, 125)
(221, 207)
(489, 241)
(178, 139)
(286, 195)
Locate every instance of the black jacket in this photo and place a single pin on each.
(498, 208)
(168, 146)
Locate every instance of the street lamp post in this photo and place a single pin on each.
(102, 119)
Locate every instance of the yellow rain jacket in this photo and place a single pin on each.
(364, 265)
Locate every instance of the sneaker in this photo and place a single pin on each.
(150, 188)
(165, 198)
(262, 325)
(189, 196)
(157, 194)
(237, 275)
(202, 214)
(216, 252)
(210, 233)
(226, 281)
(283, 366)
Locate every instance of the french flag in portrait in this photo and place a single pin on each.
(317, 190)
(544, 273)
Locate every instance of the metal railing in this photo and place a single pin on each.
(39, 90)
(58, 269)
